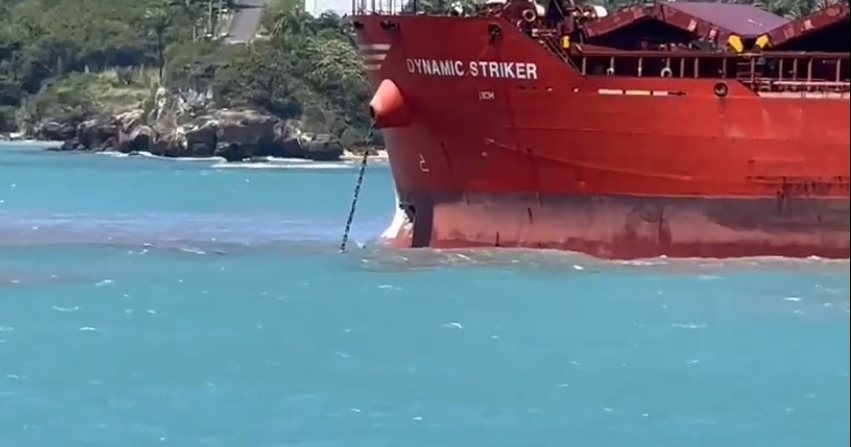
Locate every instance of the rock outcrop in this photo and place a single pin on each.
(181, 130)
(50, 130)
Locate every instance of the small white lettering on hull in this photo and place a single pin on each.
(486, 95)
(475, 69)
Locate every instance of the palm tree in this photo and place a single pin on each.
(158, 21)
(328, 20)
(292, 21)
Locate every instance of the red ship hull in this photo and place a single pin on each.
(505, 145)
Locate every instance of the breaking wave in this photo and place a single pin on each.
(282, 164)
(145, 154)
(221, 163)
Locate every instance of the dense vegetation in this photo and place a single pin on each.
(69, 59)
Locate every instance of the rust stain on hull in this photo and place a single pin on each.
(634, 227)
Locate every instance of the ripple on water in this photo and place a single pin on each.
(211, 307)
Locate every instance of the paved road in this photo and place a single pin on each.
(246, 20)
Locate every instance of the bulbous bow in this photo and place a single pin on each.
(387, 107)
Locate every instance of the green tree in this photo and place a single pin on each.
(68, 58)
(158, 21)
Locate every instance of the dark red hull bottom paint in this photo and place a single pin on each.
(631, 227)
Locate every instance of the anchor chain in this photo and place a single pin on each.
(356, 194)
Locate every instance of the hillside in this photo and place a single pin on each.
(65, 62)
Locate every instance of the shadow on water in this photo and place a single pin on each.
(385, 259)
(369, 255)
(210, 236)
(23, 266)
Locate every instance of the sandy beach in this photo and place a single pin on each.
(350, 156)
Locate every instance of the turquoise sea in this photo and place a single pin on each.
(146, 302)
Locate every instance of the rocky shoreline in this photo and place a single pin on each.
(176, 130)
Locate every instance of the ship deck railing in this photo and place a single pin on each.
(606, 52)
(383, 7)
(777, 71)
(772, 85)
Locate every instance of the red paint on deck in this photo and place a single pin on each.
(739, 175)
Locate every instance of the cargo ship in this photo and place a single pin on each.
(676, 129)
